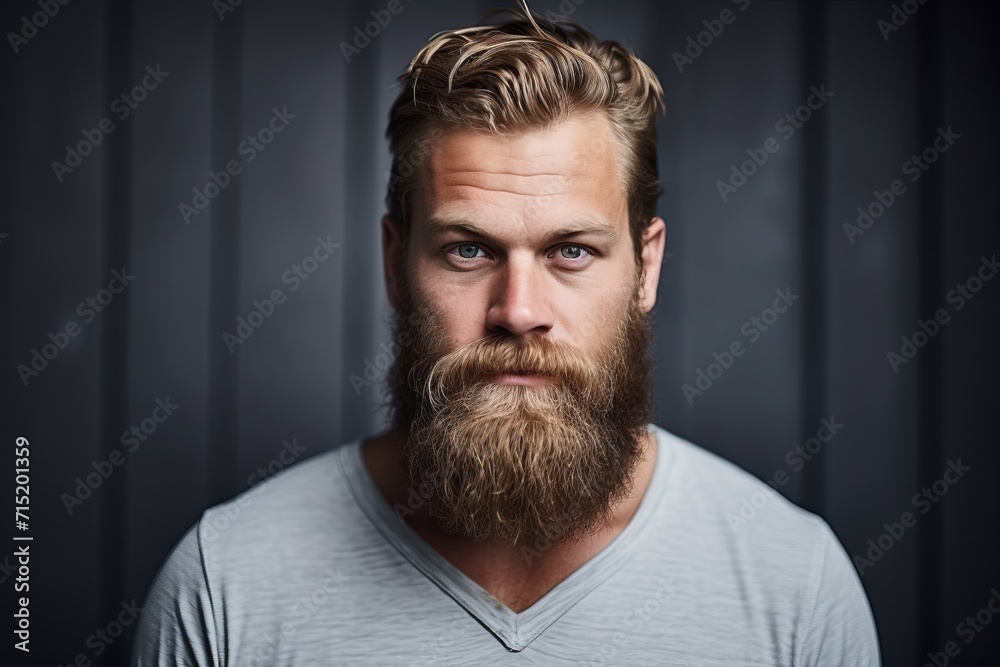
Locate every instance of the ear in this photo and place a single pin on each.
(392, 258)
(654, 240)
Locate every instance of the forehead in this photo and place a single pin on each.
(569, 169)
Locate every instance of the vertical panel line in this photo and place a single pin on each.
(930, 372)
(116, 189)
(226, 126)
(813, 34)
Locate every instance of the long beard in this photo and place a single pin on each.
(515, 463)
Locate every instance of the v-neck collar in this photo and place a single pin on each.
(514, 629)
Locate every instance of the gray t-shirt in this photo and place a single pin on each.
(314, 567)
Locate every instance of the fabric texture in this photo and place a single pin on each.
(314, 567)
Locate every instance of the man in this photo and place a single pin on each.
(521, 510)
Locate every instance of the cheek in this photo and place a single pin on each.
(591, 328)
(461, 311)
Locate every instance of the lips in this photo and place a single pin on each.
(521, 379)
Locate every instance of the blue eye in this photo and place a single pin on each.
(572, 251)
(468, 251)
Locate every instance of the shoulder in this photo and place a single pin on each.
(226, 562)
(719, 490)
(310, 507)
(176, 624)
(787, 562)
(739, 528)
(279, 499)
(283, 503)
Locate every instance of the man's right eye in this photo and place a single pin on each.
(468, 251)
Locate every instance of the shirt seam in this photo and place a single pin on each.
(221, 648)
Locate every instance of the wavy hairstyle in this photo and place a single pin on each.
(527, 73)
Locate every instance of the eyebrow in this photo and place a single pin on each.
(585, 225)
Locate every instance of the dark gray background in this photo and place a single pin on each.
(325, 174)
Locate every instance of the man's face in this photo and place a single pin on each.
(525, 234)
(525, 390)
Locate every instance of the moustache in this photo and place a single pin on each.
(476, 363)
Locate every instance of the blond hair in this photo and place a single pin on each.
(527, 73)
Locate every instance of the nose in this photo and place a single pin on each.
(519, 304)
